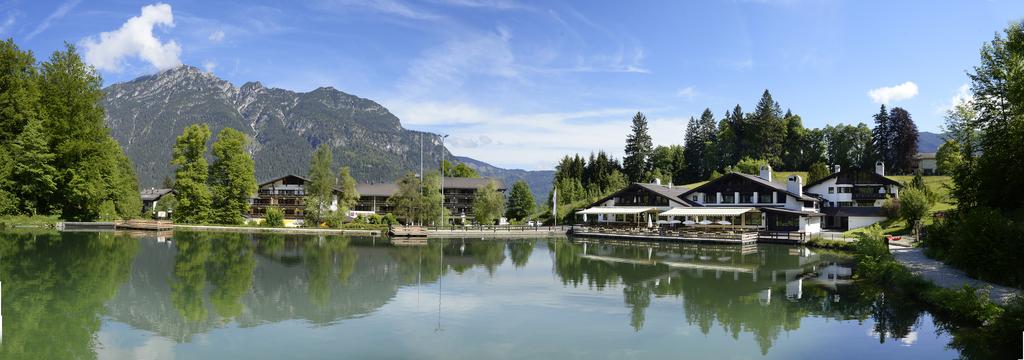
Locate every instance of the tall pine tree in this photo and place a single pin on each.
(768, 131)
(882, 138)
(638, 150)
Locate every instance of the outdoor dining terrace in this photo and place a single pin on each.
(718, 234)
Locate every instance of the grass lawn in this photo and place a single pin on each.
(21, 220)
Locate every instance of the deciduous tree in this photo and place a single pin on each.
(232, 177)
(194, 198)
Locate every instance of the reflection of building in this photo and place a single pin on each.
(286, 193)
(853, 198)
(150, 198)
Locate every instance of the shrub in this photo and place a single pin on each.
(334, 219)
(389, 219)
(982, 242)
(914, 204)
(891, 207)
(274, 218)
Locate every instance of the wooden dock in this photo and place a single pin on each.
(146, 225)
(407, 231)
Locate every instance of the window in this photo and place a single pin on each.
(831, 190)
(694, 198)
(781, 197)
(746, 198)
(710, 199)
(764, 198)
(809, 204)
(846, 203)
(729, 198)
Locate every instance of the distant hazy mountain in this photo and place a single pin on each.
(146, 115)
(540, 181)
(929, 142)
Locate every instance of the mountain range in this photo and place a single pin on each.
(146, 115)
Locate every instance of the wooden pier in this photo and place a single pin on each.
(149, 225)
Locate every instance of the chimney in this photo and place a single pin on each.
(880, 167)
(796, 185)
(657, 181)
(766, 172)
(836, 169)
(670, 184)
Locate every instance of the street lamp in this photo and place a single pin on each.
(441, 222)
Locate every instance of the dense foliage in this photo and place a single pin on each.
(56, 156)
(319, 187)
(488, 204)
(520, 201)
(192, 192)
(460, 170)
(232, 177)
(984, 236)
(639, 148)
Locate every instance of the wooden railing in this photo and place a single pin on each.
(789, 236)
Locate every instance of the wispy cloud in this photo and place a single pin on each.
(217, 36)
(888, 94)
(209, 65)
(687, 93)
(390, 7)
(61, 11)
(135, 39)
(486, 4)
(447, 67)
(8, 21)
(963, 95)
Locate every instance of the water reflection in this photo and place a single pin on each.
(59, 287)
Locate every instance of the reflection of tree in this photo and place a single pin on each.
(419, 263)
(722, 298)
(54, 288)
(190, 274)
(270, 244)
(231, 273)
(520, 251)
(490, 253)
(319, 256)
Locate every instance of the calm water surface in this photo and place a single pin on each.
(217, 296)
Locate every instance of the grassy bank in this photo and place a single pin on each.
(980, 328)
(28, 221)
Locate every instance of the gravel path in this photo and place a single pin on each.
(946, 276)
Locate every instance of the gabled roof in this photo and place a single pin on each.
(304, 180)
(382, 189)
(154, 194)
(879, 178)
(670, 193)
(756, 179)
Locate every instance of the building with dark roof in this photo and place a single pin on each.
(150, 198)
(287, 193)
(459, 194)
(853, 198)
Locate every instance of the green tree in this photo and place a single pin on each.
(194, 198)
(817, 171)
(232, 177)
(520, 201)
(949, 157)
(882, 138)
(19, 90)
(488, 204)
(408, 199)
(638, 150)
(124, 185)
(460, 170)
(793, 157)
(670, 163)
(349, 196)
(749, 166)
(32, 173)
(914, 204)
(85, 154)
(768, 131)
(273, 218)
(431, 210)
(190, 271)
(231, 270)
(320, 187)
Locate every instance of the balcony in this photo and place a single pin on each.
(869, 196)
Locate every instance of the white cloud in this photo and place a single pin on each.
(209, 65)
(885, 95)
(445, 68)
(217, 36)
(135, 39)
(529, 140)
(62, 10)
(688, 92)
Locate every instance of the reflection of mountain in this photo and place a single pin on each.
(762, 291)
(322, 279)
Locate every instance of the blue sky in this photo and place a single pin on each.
(519, 84)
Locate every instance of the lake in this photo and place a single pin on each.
(195, 295)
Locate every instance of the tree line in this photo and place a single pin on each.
(56, 154)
